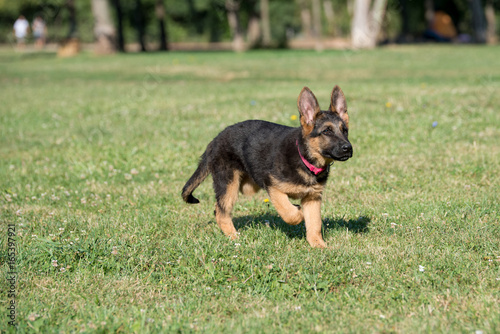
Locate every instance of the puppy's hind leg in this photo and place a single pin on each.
(226, 185)
(247, 186)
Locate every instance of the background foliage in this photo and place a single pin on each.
(205, 20)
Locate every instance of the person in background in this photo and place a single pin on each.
(21, 29)
(442, 28)
(39, 31)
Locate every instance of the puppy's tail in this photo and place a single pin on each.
(196, 179)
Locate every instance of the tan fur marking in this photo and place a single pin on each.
(312, 215)
(328, 124)
(334, 127)
(296, 191)
(311, 206)
(337, 128)
(223, 217)
(226, 224)
(248, 187)
(307, 176)
(313, 145)
(288, 212)
(306, 128)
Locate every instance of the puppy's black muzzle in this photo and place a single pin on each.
(343, 153)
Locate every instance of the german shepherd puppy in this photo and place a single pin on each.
(286, 162)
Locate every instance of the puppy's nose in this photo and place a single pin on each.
(347, 147)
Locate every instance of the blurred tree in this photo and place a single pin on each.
(233, 7)
(366, 23)
(284, 21)
(237, 20)
(429, 12)
(266, 24)
(119, 25)
(160, 15)
(332, 28)
(254, 24)
(412, 15)
(104, 30)
(322, 21)
(216, 20)
(478, 21)
(140, 25)
(489, 12)
(316, 11)
(73, 28)
(305, 18)
(404, 35)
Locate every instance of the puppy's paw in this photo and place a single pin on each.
(316, 243)
(234, 235)
(294, 217)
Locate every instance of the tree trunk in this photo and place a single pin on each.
(73, 30)
(266, 24)
(429, 12)
(253, 32)
(360, 33)
(377, 17)
(160, 15)
(71, 46)
(316, 16)
(478, 21)
(366, 23)
(305, 18)
(104, 32)
(139, 25)
(232, 7)
(119, 20)
(405, 27)
(330, 18)
(214, 24)
(489, 13)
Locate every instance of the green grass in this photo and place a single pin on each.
(94, 153)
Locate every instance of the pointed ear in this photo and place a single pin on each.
(339, 105)
(308, 108)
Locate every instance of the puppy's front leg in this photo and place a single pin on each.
(290, 213)
(311, 206)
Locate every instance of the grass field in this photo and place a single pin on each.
(94, 153)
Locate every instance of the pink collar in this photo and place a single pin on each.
(309, 165)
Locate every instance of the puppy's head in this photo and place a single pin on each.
(325, 132)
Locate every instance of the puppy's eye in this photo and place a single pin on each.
(327, 131)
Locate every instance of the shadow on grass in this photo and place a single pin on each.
(358, 225)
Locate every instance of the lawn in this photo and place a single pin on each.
(94, 153)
